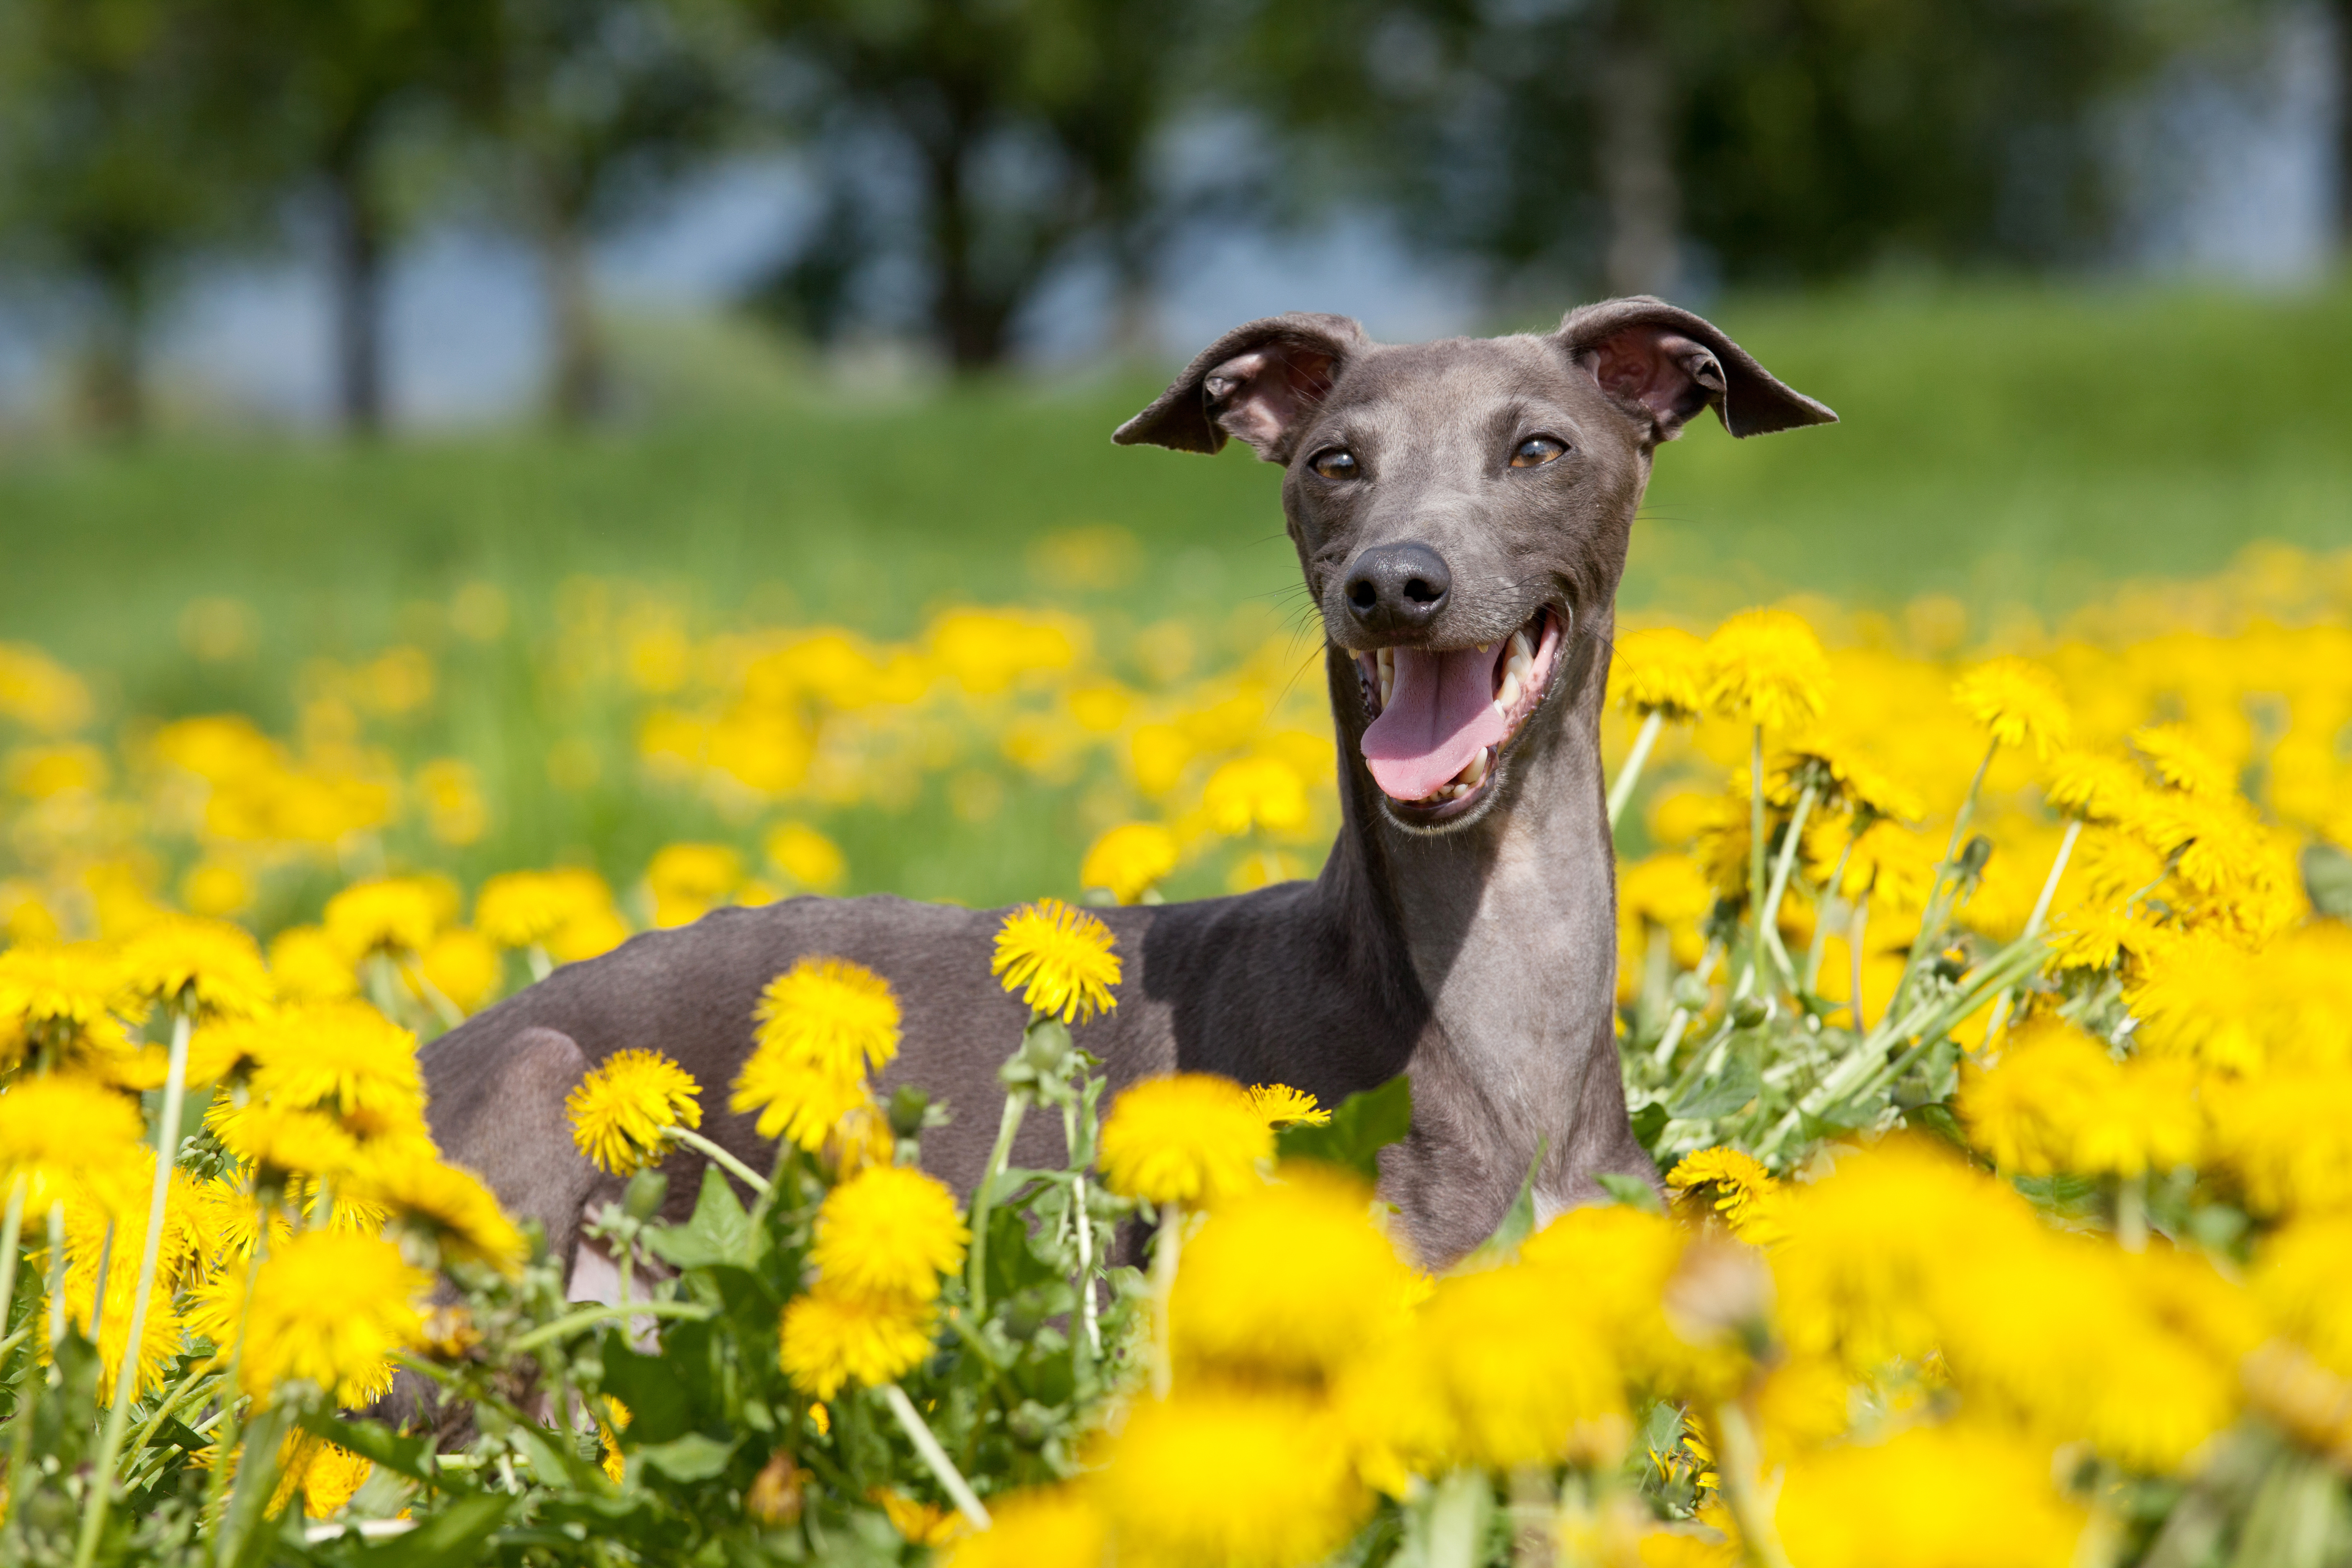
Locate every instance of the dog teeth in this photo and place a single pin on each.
(1385, 660)
(1509, 695)
(1475, 774)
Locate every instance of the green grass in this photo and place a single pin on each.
(2024, 446)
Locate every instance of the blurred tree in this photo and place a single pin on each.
(120, 150)
(340, 83)
(977, 144)
(599, 103)
(1597, 141)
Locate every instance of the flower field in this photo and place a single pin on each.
(1988, 1010)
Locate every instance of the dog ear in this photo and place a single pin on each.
(1258, 381)
(1667, 364)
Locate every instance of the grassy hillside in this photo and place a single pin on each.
(2005, 448)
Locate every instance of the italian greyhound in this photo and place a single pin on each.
(1461, 512)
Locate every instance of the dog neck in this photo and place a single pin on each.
(1508, 925)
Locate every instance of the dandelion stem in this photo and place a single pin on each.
(1814, 954)
(12, 1234)
(1167, 1247)
(1087, 1310)
(217, 1485)
(57, 1280)
(2131, 1213)
(1741, 1461)
(1680, 1020)
(735, 1167)
(105, 1271)
(1756, 851)
(1789, 843)
(1016, 1105)
(951, 1479)
(1937, 912)
(541, 966)
(588, 1317)
(2040, 912)
(118, 1416)
(1631, 774)
(170, 1401)
(1856, 933)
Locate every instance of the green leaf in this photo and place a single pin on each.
(653, 1387)
(1359, 1130)
(719, 1232)
(1519, 1221)
(410, 1457)
(693, 1458)
(1936, 1116)
(1013, 1264)
(1648, 1122)
(452, 1538)
(1631, 1191)
(244, 1536)
(1734, 1085)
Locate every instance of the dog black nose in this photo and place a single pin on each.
(1397, 587)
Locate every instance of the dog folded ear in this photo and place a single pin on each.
(1669, 363)
(1258, 381)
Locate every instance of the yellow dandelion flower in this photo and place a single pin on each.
(450, 1204)
(812, 860)
(525, 908)
(2093, 937)
(1247, 1479)
(919, 1524)
(689, 880)
(73, 988)
(622, 1111)
(1745, 1193)
(1254, 791)
(804, 1105)
(1765, 666)
(330, 1479)
(331, 1309)
(2018, 702)
(388, 914)
(309, 966)
(1660, 669)
(1283, 1106)
(1927, 1496)
(829, 1340)
(2093, 787)
(280, 1140)
(1039, 1527)
(1519, 1383)
(463, 965)
(1185, 1138)
(57, 1129)
(343, 1058)
(207, 968)
(1059, 959)
(831, 1014)
(888, 1233)
(2182, 763)
(1130, 860)
(1291, 1278)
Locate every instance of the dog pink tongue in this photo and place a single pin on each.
(1440, 711)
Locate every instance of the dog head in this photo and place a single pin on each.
(1462, 508)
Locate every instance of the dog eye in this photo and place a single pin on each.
(1339, 463)
(1536, 451)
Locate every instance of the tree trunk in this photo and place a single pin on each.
(579, 388)
(111, 391)
(356, 261)
(969, 324)
(1637, 157)
(2344, 129)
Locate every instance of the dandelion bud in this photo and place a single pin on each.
(643, 1197)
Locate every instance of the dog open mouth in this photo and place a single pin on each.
(1441, 717)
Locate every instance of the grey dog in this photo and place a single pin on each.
(1461, 510)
